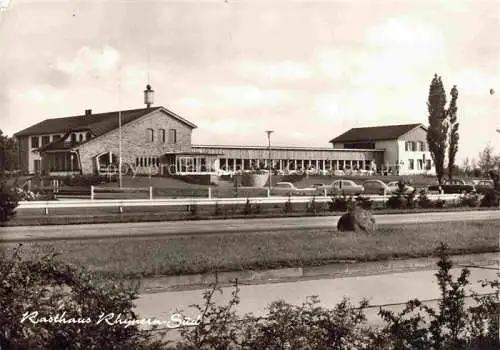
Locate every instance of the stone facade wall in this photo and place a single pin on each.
(135, 142)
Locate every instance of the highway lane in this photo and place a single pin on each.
(384, 289)
(91, 231)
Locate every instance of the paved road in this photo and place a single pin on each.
(383, 289)
(28, 233)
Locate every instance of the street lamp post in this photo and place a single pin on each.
(120, 178)
(269, 132)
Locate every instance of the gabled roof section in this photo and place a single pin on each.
(375, 133)
(61, 144)
(98, 124)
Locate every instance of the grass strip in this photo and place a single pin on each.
(179, 255)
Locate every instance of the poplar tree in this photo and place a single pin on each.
(454, 136)
(437, 132)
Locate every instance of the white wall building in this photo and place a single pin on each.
(405, 147)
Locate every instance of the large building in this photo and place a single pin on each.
(155, 139)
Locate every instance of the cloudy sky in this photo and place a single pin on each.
(308, 70)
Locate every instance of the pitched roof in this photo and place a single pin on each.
(98, 124)
(375, 133)
(61, 144)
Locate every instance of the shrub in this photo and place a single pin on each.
(217, 209)
(250, 208)
(193, 209)
(396, 202)
(257, 209)
(424, 202)
(440, 203)
(401, 199)
(247, 209)
(364, 202)
(47, 287)
(491, 199)
(411, 200)
(87, 180)
(340, 203)
(469, 200)
(8, 202)
(313, 206)
(453, 325)
(288, 208)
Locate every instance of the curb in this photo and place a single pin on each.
(334, 270)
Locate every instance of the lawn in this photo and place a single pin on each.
(133, 257)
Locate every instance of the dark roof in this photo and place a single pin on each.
(98, 124)
(61, 144)
(375, 133)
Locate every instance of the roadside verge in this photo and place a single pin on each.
(336, 270)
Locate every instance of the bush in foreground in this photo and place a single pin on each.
(452, 325)
(46, 287)
(8, 201)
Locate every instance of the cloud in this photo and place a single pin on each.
(90, 63)
(284, 70)
(472, 81)
(249, 96)
(398, 51)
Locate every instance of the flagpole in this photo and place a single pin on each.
(120, 179)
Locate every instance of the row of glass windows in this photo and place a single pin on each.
(162, 135)
(147, 161)
(414, 146)
(40, 141)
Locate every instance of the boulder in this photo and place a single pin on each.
(358, 220)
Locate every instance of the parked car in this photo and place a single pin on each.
(394, 187)
(347, 187)
(376, 187)
(483, 186)
(454, 186)
(288, 188)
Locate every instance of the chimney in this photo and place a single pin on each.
(148, 96)
(88, 112)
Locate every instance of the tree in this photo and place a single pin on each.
(488, 160)
(467, 166)
(454, 136)
(8, 201)
(8, 153)
(438, 128)
(33, 289)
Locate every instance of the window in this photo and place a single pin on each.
(147, 161)
(73, 138)
(45, 140)
(411, 164)
(410, 146)
(428, 164)
(420, 163)
(88, 135)
(162, 136)
(150, 135)
(56, 137)
(172, 136)
(35, 142)
(421, 146)
(360, 145)
(81, 137)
